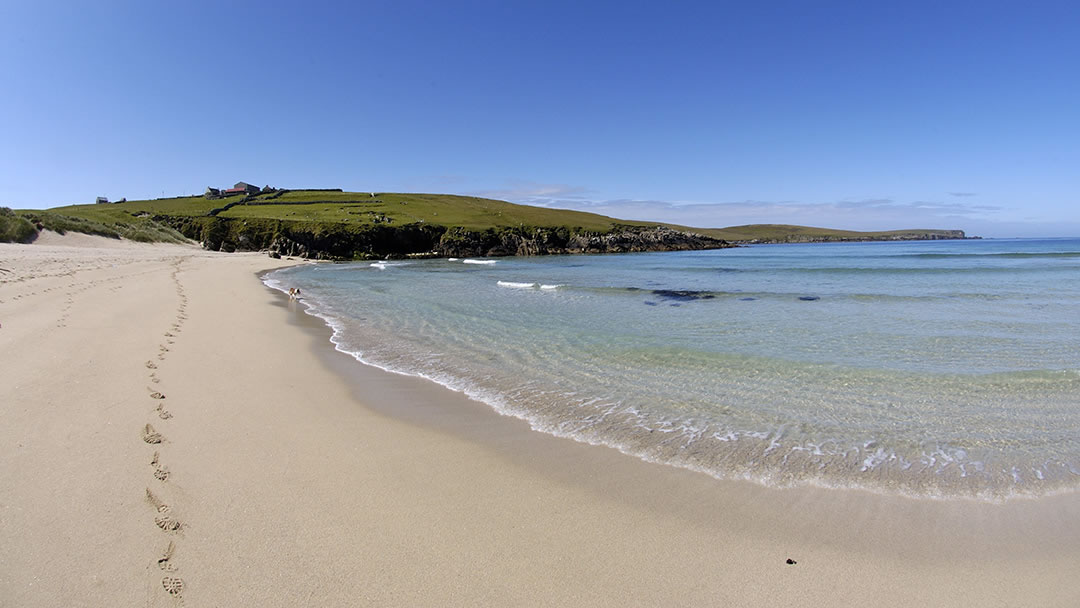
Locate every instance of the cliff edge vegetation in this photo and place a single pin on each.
(331, 224)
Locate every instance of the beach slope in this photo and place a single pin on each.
(173, 430)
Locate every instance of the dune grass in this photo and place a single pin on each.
(15, 228)
(131, 228)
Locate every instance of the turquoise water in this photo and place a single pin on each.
(941, 368)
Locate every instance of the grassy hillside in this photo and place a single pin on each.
(782, 233)
(356, 209)
(355, 223)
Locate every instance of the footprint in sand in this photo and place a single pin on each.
(151, 364)
(164, 561)
(157, 503)
(149, 435)
(162, 412)
(154, 394)
(164, 520)
(173, 586)
(161, 472)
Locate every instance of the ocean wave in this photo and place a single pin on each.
(484, 262)
(768, 457)
(520, 285)
(385, 265)
(729, 437)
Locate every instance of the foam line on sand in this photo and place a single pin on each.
(176, 432)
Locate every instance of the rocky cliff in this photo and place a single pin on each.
(333, 241)
(457, 242)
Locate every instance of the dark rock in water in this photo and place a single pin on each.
(683, 296)
(809, 298)
(648, 303)
(791, 562)
(747, 299)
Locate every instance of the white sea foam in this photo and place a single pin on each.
(485, 262)
(581, 429)
(684, 399)
(270, 281)
(384, 265)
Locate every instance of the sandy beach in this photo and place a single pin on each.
(176, 432)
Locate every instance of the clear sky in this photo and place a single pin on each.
(860, 115)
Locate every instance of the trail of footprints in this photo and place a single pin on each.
(74, 290)
(71, 290)
(172, 585)
(165, 520)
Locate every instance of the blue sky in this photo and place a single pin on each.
(859, 115)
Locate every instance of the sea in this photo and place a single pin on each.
(932, 369)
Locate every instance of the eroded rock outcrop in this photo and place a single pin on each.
(339, 242)
(458, 242)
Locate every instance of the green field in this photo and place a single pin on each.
(786, 233)
(321, 211)
(357, 209)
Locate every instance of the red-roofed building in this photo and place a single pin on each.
(244, 188)
(241, 188)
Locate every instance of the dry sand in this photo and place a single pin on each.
(290, 475)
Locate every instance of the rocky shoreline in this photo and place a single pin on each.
(334, 242)
(326, 241)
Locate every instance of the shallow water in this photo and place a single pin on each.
(943, 368)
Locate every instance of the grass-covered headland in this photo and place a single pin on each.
(351, 225)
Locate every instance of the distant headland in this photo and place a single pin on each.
(338, 225)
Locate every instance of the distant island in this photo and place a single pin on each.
(337, 225)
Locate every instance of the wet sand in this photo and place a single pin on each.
(288, 474)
